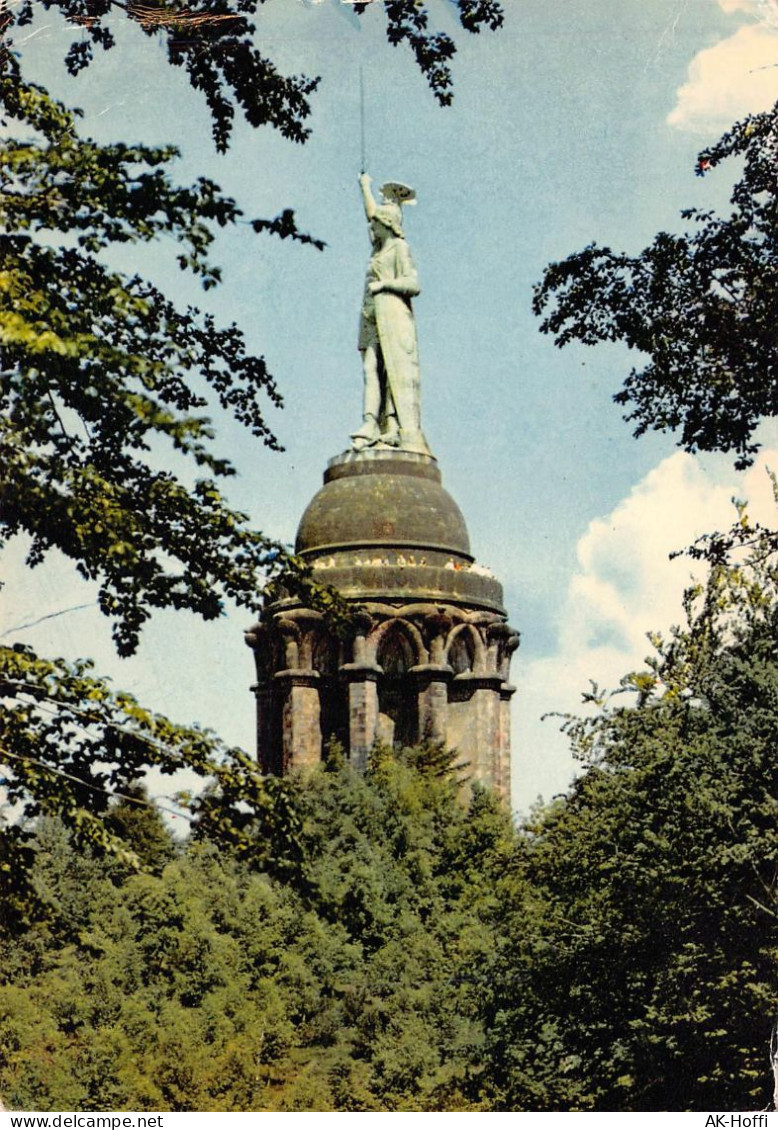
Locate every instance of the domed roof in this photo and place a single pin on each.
(383, 528)
(383, 498)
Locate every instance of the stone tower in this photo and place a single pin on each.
(430, 654)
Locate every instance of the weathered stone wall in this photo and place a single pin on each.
(395, 682)
(430, 655)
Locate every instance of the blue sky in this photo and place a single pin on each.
(578, 121)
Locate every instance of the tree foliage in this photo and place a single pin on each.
(101, 371)
(218, 43)
(640, 914)
(71, 746)
(107, 389)
(107, 450)
(368, 942)
(213, 982)
(346, 942)
(701, 306)
(639, 963)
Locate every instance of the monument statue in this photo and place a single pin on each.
(428, 656)
(387, 329)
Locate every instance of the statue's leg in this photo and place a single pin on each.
(404, 391)
(369, 433)
(396, 332)
(390, 432)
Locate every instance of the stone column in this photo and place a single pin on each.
(362, 680)
(300, 719)
(503, 781)
(485, 728)
(432, 681)
(263, 696)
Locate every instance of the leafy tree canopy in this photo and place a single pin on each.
(701, 306)
(71, 745)
(640, 914)
(107, 386)
(101, 370)
(215, 981)
(641, 909)
(381, 946)
(216, 41)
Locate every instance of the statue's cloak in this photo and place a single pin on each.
(396, 331)
(400, 353)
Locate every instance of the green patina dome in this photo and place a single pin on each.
(383, 498)
(383, 528)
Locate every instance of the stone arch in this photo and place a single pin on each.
(324, 653)
(333, 712)
(396, 653)
(397, 633)
(291, 635)
(465, 652)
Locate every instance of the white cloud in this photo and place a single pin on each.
(766, 10)
(625, 586)
(735, 77)
(750, 6)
